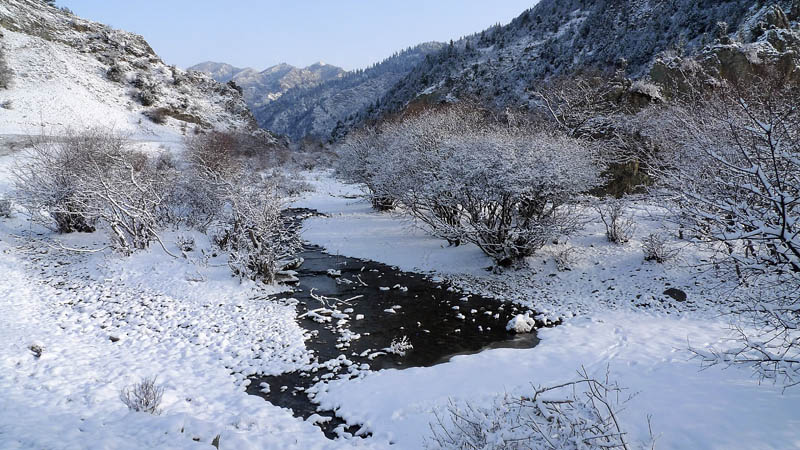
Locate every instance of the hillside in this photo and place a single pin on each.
(260, 88)
(316, 111)
(65, 71)
(501, 65)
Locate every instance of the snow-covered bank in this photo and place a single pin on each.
(715, 408)
(623, 321)
(102, 321)
(352, 228)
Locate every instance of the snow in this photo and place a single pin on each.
(104, 321)
(616, 317)
(690, 408)
(59, 81)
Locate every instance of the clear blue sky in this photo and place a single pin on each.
(348, 33)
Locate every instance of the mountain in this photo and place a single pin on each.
(316, 111)
(501, 66)
(64, 71)
(260, 88)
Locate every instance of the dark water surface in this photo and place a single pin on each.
(438, 321)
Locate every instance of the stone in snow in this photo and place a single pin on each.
(521, 324)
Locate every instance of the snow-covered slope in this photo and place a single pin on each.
(70, 72)
(260, 88)
(502, 64)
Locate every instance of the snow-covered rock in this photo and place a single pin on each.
(521, 324)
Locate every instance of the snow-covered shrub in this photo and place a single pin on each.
(147, 92)
(400, 346)
(619, 225)
(6, 74)
(470, 178)
(115, 73)
(581, 414)
(732, 178)
(240, 204)
(5, 207)
(656, 248)
(147, 96)
(565, 258)
(144, 396)
(254, 232)
(157, 115)
(94, 178)
(49, 182)
(184, 243)
(359, 155)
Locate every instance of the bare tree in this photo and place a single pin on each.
(734, 180)
(242, 206)
(82, 180)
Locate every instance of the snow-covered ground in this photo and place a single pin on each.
(621, 321)
(104, 322)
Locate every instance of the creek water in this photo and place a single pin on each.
(353, 310)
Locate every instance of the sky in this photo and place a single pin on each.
(247, 33)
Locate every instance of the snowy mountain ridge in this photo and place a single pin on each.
(68, 72)
(501, 66)
(261, 87)
(316, 111)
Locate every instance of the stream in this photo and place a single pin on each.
(363, 316)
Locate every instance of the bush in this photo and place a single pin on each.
(656, 249)
(147, 93)
(619, 225)
(506, 187)
(5, 207)
(582, 414)
(253, 231)
(6, 74)
(565, 258)
(115, 73)
(144, 396)
(242, 205)
(147, 96)
(157, 115)
(732, 178)
(82, 180)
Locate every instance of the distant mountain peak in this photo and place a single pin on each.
(263, 87)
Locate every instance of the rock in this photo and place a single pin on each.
(676, 294)
(291, 264)
(521, 324)
(777, 18)
(721, 33)
(286, 277)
